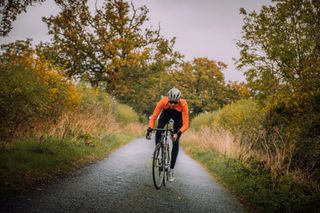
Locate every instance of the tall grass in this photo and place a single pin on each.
(228, 144)
(237, 131)
(98, 115)
(220, 140)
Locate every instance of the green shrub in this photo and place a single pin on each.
(95, 97)
(30, 89)
(124, 113)
(22, 96)
(241, 115)
(204, 119)
(297, 120)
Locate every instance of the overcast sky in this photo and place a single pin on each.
(203, 28)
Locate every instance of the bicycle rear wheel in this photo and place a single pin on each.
(157, 166)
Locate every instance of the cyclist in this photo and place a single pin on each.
(171, 107)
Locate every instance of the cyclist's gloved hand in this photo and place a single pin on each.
(148, 135)
(176, 136)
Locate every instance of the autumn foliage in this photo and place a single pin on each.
(271, 123)
(31, 89)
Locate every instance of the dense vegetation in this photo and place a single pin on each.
(267, 148)
(280, 54)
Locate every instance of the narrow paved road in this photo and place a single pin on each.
(123, 183)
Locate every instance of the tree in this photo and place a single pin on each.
(202, 83)
(110, 48)
(236, 91)
(10, 9)
(278, 46)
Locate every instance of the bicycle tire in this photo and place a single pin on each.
(165, 175)
(157, 166)
(166, 162)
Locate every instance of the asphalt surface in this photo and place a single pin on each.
(123, 183)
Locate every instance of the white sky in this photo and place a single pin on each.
(203, 28)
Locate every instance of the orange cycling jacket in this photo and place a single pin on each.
(182, 106)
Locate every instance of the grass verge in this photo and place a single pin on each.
(26, 163)
(253, 185)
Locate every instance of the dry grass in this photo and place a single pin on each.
(220, 140)
(136, 128)
(229, 145)
(95, 122)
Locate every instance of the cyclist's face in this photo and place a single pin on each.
(173, 103)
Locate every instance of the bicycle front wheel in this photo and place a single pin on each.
(166, 162)
(157, 166)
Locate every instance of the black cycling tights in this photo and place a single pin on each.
(164, 118)
(174, 153)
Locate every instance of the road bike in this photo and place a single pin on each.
(161, 158)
